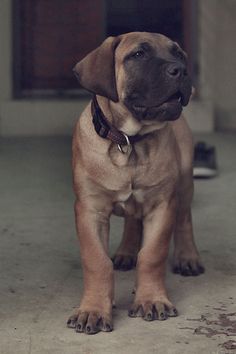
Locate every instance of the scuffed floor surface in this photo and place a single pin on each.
(41, 277)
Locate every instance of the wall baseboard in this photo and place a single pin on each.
(39, 118)
(45, 118)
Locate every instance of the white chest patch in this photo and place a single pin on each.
(129, 202)
(138, 195)
(124, 196)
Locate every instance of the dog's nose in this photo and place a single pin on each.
(175, 70)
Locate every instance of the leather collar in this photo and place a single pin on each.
(107, 131)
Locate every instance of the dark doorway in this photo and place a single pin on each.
(149, 15)
(50, 36)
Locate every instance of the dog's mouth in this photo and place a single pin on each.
(175, 99)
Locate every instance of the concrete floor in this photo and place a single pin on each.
(41, 278)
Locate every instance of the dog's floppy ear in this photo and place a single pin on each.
(96, 72)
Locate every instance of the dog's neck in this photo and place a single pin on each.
(120, 117)
(138, 135)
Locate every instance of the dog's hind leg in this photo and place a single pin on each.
(126, 255)
(186, 257)
(186, 260)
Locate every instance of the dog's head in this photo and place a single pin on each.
(146, 72)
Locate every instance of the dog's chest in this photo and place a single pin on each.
(129, 202)
(148, 187)
(136, 194)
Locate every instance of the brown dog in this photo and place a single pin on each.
(132, 157)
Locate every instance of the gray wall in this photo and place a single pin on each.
(217, 32)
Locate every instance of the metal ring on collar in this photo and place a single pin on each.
(128, 146)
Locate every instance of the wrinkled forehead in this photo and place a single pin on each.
(135, 40)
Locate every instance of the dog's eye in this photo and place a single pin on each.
(138, 54)
(135, 55)
(180, 55)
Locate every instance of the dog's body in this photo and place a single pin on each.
(140, 91)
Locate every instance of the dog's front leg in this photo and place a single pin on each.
(151, 300)
(95, 310)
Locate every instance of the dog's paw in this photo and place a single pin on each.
(187, 265)
(151, 311)
(124, 262)
(90, 322)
